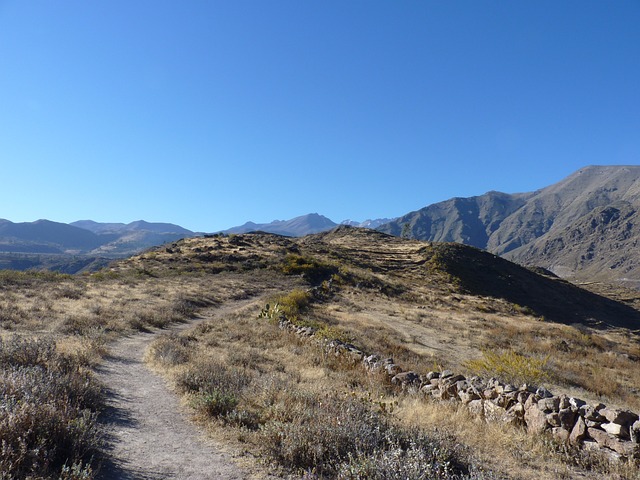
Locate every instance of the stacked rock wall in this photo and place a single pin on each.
(571, 420)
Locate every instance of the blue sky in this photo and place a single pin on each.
(211, 113)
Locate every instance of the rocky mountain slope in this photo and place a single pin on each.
(583, 227)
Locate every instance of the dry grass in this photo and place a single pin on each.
(306, 411)
(508, 449)
(269, 392)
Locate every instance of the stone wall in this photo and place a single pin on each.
(571, 420)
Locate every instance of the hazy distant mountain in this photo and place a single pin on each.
(140, 225)
(296, 227)
(85, 238)
(586, 226)
(44, 236)
(367, 223)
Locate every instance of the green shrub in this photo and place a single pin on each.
(293, 303)
(215, 403)
(511, 367)
(313, 270)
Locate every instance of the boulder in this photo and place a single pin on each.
(531, 400)
(494, 413)
(525, 387)
(549, 404)
(406, 379)
(461, 385)
(620, 417)
(553, 419)
(355, 354)
(567, 418)
(535, 419)
(428, 389)
(392, 369)
(371, 360)
(467, 396)
(561, 434)
(543, 393)
(578, 433)
(617, 430)
(576, 403)
(627, 449)
(453, 379)
(523, 396)
(635, 432)
(490, 394)
(591, 412)
(432, 375)
(448, 390)
(504, 401)
(517, 412)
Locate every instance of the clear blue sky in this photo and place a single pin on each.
(211, 113)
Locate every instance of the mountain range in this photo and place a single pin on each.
(85, 237)
(585, 227)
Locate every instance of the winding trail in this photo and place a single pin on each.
(149, 433)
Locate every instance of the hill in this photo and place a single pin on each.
(582, 227)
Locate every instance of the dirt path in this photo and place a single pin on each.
(150, 435)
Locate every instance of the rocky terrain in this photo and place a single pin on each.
(583, 227)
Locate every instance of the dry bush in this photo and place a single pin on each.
(48, 412)
(510, 367)
(170, 350)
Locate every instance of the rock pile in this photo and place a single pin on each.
(571, 420)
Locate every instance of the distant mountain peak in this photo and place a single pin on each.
(296, 227)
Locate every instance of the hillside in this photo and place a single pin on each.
(277, 360)
(582, 227)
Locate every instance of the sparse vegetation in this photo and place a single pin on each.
(287, 400)
(289, 406)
